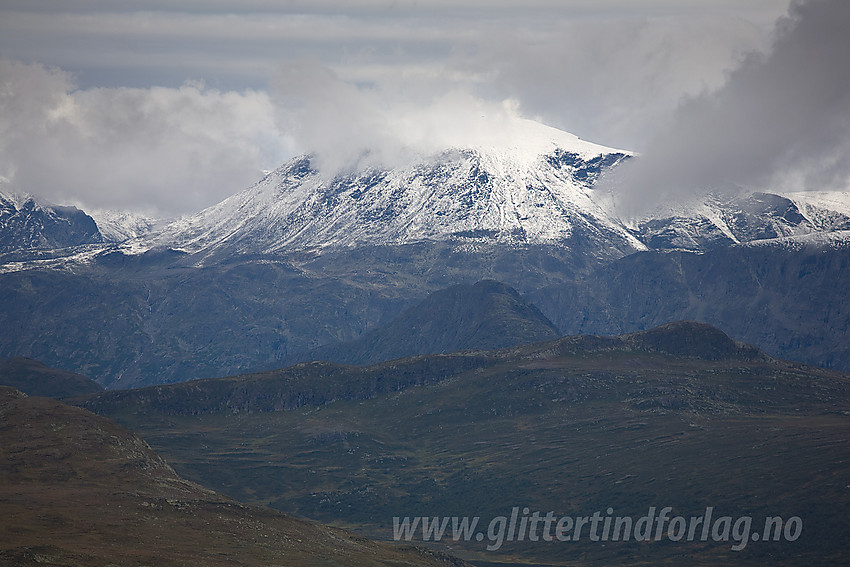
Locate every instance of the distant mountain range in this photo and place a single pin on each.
(306, 264)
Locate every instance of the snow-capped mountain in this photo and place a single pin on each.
(28, 223)
(715, 220)
(536, 187)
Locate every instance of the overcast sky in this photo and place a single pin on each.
(171, 106)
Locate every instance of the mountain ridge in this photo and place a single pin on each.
(319, 382)
(27, 223)
(532, 185)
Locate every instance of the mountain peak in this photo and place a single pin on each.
(31, 224)
(529, 184)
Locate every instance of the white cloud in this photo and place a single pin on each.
(612, 81)
(165, 149)
(388, 124)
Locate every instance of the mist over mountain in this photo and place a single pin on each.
(532, 186)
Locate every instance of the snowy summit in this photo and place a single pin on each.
(530, 184)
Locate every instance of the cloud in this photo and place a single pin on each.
(780, 121)
(343, 125)
(613, 80)
(389, 124)
(609, 80)
(169, 150)
(379, 78)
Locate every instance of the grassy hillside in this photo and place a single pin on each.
(79, 490)
(680, 416)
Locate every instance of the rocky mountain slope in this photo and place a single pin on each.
(787, 298)
(716, 221)
(137, 320)
(28, 224)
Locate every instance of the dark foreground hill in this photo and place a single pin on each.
(79, 490)
(36, 379)
(680, 416)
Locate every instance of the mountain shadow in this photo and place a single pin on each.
(790, 302)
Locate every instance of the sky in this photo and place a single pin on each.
(169, 107)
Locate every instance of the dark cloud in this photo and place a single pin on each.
(780, 121)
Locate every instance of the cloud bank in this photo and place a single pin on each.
(781, 121)
(162, 150)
